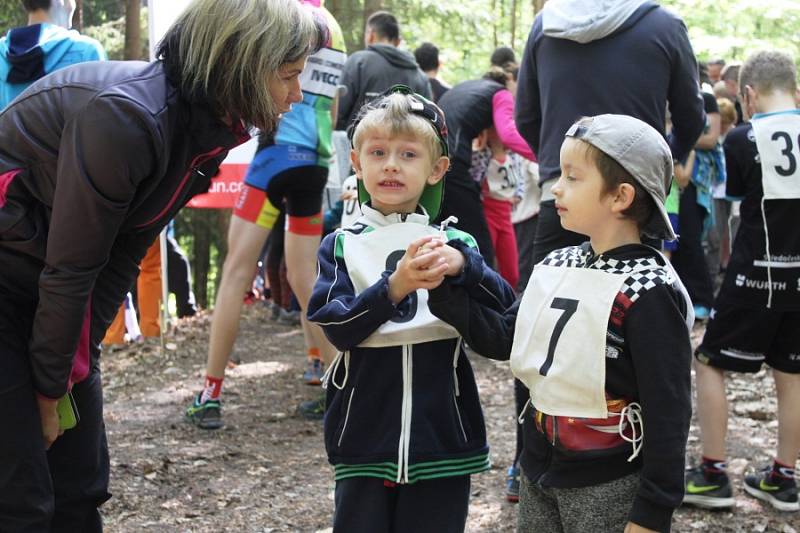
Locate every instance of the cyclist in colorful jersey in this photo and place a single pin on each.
(95, 159)
(756, 317)
(291, 166)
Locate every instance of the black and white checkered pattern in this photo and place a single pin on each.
(644, 273)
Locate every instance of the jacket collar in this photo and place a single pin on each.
(373, 217)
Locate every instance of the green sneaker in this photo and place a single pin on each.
(312, 409)
(709, 491)
(780, 493)
(205, 415)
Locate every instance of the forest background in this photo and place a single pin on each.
(466, 32)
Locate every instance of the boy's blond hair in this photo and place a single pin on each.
(769, 71)
(394, 115)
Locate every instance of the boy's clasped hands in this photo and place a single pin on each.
(424, 265)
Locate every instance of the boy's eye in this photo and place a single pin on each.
(408, 154)
(570, 177)
(376, 152)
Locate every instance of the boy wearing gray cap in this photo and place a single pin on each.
(601, 339)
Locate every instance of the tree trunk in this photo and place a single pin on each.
(201, 256)
(77, 17)
(494, 22)
(133, 30)
(513, 23)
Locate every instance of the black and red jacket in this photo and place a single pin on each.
(94, 160)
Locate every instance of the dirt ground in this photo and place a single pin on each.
(266, 471)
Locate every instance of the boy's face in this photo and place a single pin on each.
(581, 201)
(395, 170)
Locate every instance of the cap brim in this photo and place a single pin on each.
(659, 226)
(431, 199)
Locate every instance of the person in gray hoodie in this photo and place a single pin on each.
(369, 72)
(589, 57)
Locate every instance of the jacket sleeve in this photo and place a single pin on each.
(346, 318)
(529, 112)
(479, 304)
(96, 182)
(424, 86)
(662, 365)
(503, 118)
(685, 100)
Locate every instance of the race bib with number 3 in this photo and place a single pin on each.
(778, 140)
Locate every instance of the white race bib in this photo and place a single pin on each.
(501, 180)
(778, 142)
(351, 210)
(560, 339)
(367, 256)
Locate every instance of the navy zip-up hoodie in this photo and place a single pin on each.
(372, 391)
(581, 62)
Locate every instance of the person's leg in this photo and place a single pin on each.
(538, 510)
(787, 387)
(115, 334)
(79, 463)
(432, 506)
(245, 241)
(602, 507)
(363, 505)
(525, 232)
(179, 278)
(149, 291)
(712, 409)
(521, 396)
(688, 259)
(507, 255)
(26, 491)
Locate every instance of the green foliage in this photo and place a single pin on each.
(734, 29)
(12, 15)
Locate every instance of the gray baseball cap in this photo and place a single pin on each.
(643, 152)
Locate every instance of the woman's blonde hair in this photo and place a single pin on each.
(225, 52)
(393, 114)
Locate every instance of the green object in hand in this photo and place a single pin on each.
(67, 411)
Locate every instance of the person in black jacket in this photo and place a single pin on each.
(582, 59)
(369, 72)
(601, 340)
(404, 428)
(94, 160)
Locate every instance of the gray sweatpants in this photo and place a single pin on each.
(600, 508)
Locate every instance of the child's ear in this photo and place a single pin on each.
(623, 198)
(356, 162)
(439, 169)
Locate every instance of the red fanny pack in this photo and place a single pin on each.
(594, 437)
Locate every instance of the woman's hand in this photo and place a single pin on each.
(49, 419)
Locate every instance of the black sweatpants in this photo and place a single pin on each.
(45, 490)
(179, 279)
(368, 505)
(689, 259)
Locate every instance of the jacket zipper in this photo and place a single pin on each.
(202, 158)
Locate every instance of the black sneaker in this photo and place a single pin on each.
(707, 491)
(779, 492)
(205, 415)
(312, 409)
